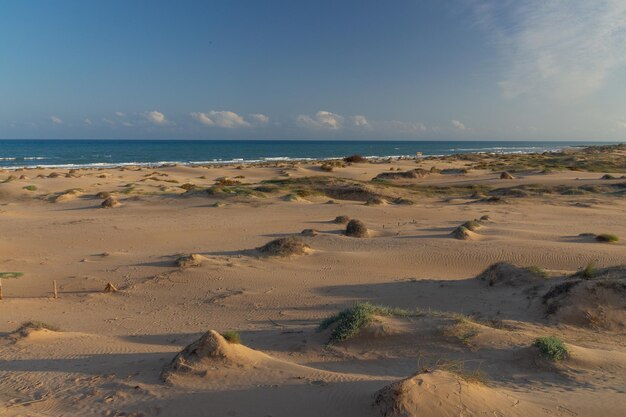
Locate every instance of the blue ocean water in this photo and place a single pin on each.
(106, 153)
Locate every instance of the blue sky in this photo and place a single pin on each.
(285, 69)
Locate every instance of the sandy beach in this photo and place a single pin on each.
(426, 330)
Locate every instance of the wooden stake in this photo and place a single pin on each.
(0, 288)
(54, 288)
(110, 288)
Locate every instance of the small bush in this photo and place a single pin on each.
(351, 320)
(355, 158)
(232, 336)
(284, 246)
(540, 272)
(472, 225)
(341, 219)
(551, 347)
(589, 271)
(30, 187)
(356, 228)
(607, 238)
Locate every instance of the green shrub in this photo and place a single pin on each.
(551, 347)
(30, 187)
(350, 321)
(232, 336)
(606, 237)
(540, 272)
(589, 271)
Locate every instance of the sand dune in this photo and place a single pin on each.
(450, 325)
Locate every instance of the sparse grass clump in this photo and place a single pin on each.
(232, 336)
(538, 271)
(350, 321)
(472, 225)
(589, 271)
(284, 246)
(30, 188)
(11, 274)
(551, 347)
(32, 325)
(607, 238)
(356, 228)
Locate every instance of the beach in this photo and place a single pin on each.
(442, 330)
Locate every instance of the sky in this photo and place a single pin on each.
(324, 69)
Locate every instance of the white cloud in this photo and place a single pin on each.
(120, 114)
(156, 117)
(108, 121)
(458, 125)
(564, 49)
(407, 127)
(56, 120)
(88, 122)
(260, 118)
(225, 119)
(322, 120)
(361, 121)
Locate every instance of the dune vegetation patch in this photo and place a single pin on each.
(30, 187)
(231, 336)
(607, 238)
(595, 299)
(284, 246)
(348, 323)
(189, 261)
(356, 158)
(464, 231)
(356, 228)
(341, 219)
(507, 274)
(30, 326)
(551, 347)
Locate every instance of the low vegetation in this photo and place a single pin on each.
(355, 158)
(349, 322)
(551, 347)
(356, 228)
(589, 271)
(341, 219)
(29, 326)
(30, 188)
(284, 246)
(607, 238)
(231, 336)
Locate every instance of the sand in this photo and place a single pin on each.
(467, 349)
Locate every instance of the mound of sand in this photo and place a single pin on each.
(190, 260)
(218, 361)
(506, 176)
(599, 302)
(309, 232)
(504, 273)
(212, 351)
(375, 201)
(443, 394)
(356, 228)
(414, 173)
(284, 246)
(67, 196)
(110, 202)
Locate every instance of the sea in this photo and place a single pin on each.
(77, 153)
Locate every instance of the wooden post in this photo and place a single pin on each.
(54, 288)
(0, 288)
